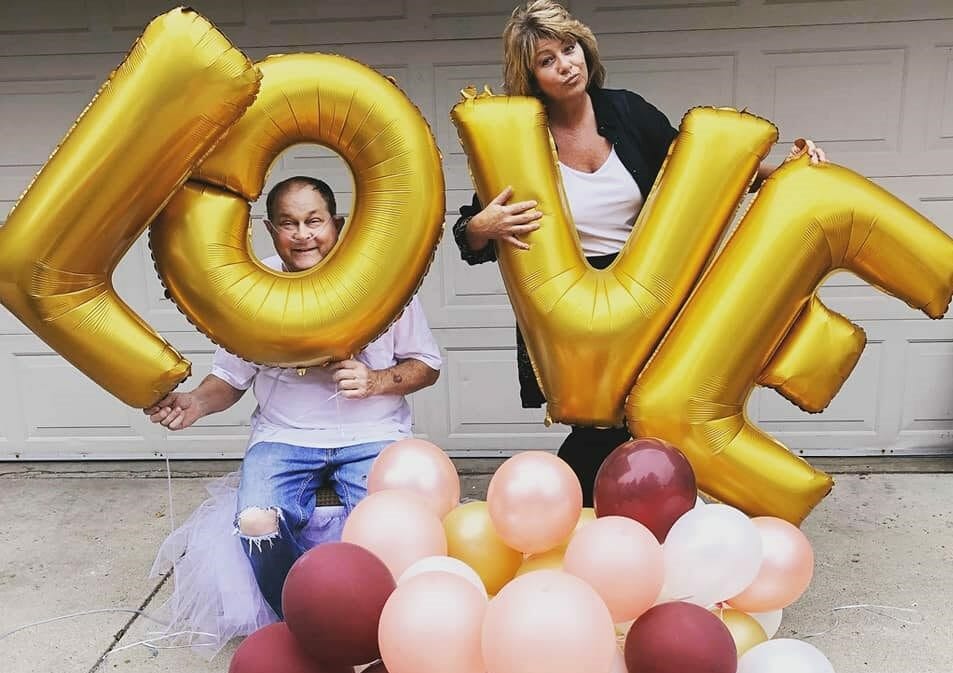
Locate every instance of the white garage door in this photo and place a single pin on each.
(871, 80)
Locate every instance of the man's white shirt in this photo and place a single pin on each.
(304, 411)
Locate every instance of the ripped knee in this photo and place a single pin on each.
(257, 522)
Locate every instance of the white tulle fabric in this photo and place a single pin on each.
(214, 595)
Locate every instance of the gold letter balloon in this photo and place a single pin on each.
(753, 317)
(330, 312)
(179, 89)
(152, 126)
(578, 320)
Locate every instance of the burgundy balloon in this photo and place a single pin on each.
(274, 649)
(333, 599)
(678, 638)
(647, 480)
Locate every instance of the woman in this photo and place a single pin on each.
(610, 144)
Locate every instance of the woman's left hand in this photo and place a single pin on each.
(802, 145)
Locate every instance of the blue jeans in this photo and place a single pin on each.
(284, 478)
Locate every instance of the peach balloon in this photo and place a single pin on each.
(787, 567)
(535, 501)
(472, 539)
(398, 527)
(433, 623)
(419, 466)
(622, 560)
(548, 622)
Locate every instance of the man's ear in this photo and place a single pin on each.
(338, 221)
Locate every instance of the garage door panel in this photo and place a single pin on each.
(702, 80)
(852, 98)
(854, 409)
(870, 79)
(60, 402)
(928, 406)
(657, 15)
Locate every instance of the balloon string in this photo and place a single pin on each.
(337, 402)
(150, 643)
(879, 610)
(168, 477)
(41, 622)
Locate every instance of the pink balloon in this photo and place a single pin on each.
(548, 621)
(398, 527)
(433, 623)
(622, 560)
(534, 501)
(419, 466)
(787, 567)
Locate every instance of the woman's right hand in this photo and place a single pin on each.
(500, 221)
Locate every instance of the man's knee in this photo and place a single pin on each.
(257, 522)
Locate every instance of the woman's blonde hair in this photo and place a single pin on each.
(540, 20)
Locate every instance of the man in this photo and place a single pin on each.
(329, 423)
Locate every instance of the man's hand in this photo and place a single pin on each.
(355, 380)
(177, 411)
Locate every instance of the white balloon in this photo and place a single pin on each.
(618, 664)
(784, 655)
(711, 554)
(445, 564)
(770, 621)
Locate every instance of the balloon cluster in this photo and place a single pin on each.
(529, 581)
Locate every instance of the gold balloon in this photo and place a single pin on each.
(586, 516)
(818, 354)
(166, 105)
(472, 539)
(547, 560)
(622, 632)
(577, 320)
(806, 222)
(745, 630)
(330, 312)
(552, 559)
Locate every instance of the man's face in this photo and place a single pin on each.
(303, 230)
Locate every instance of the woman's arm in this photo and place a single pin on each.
(478, 229)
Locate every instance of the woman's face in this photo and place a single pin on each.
(560, 69)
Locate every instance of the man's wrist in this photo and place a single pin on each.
(199, 405)
(378, 382)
